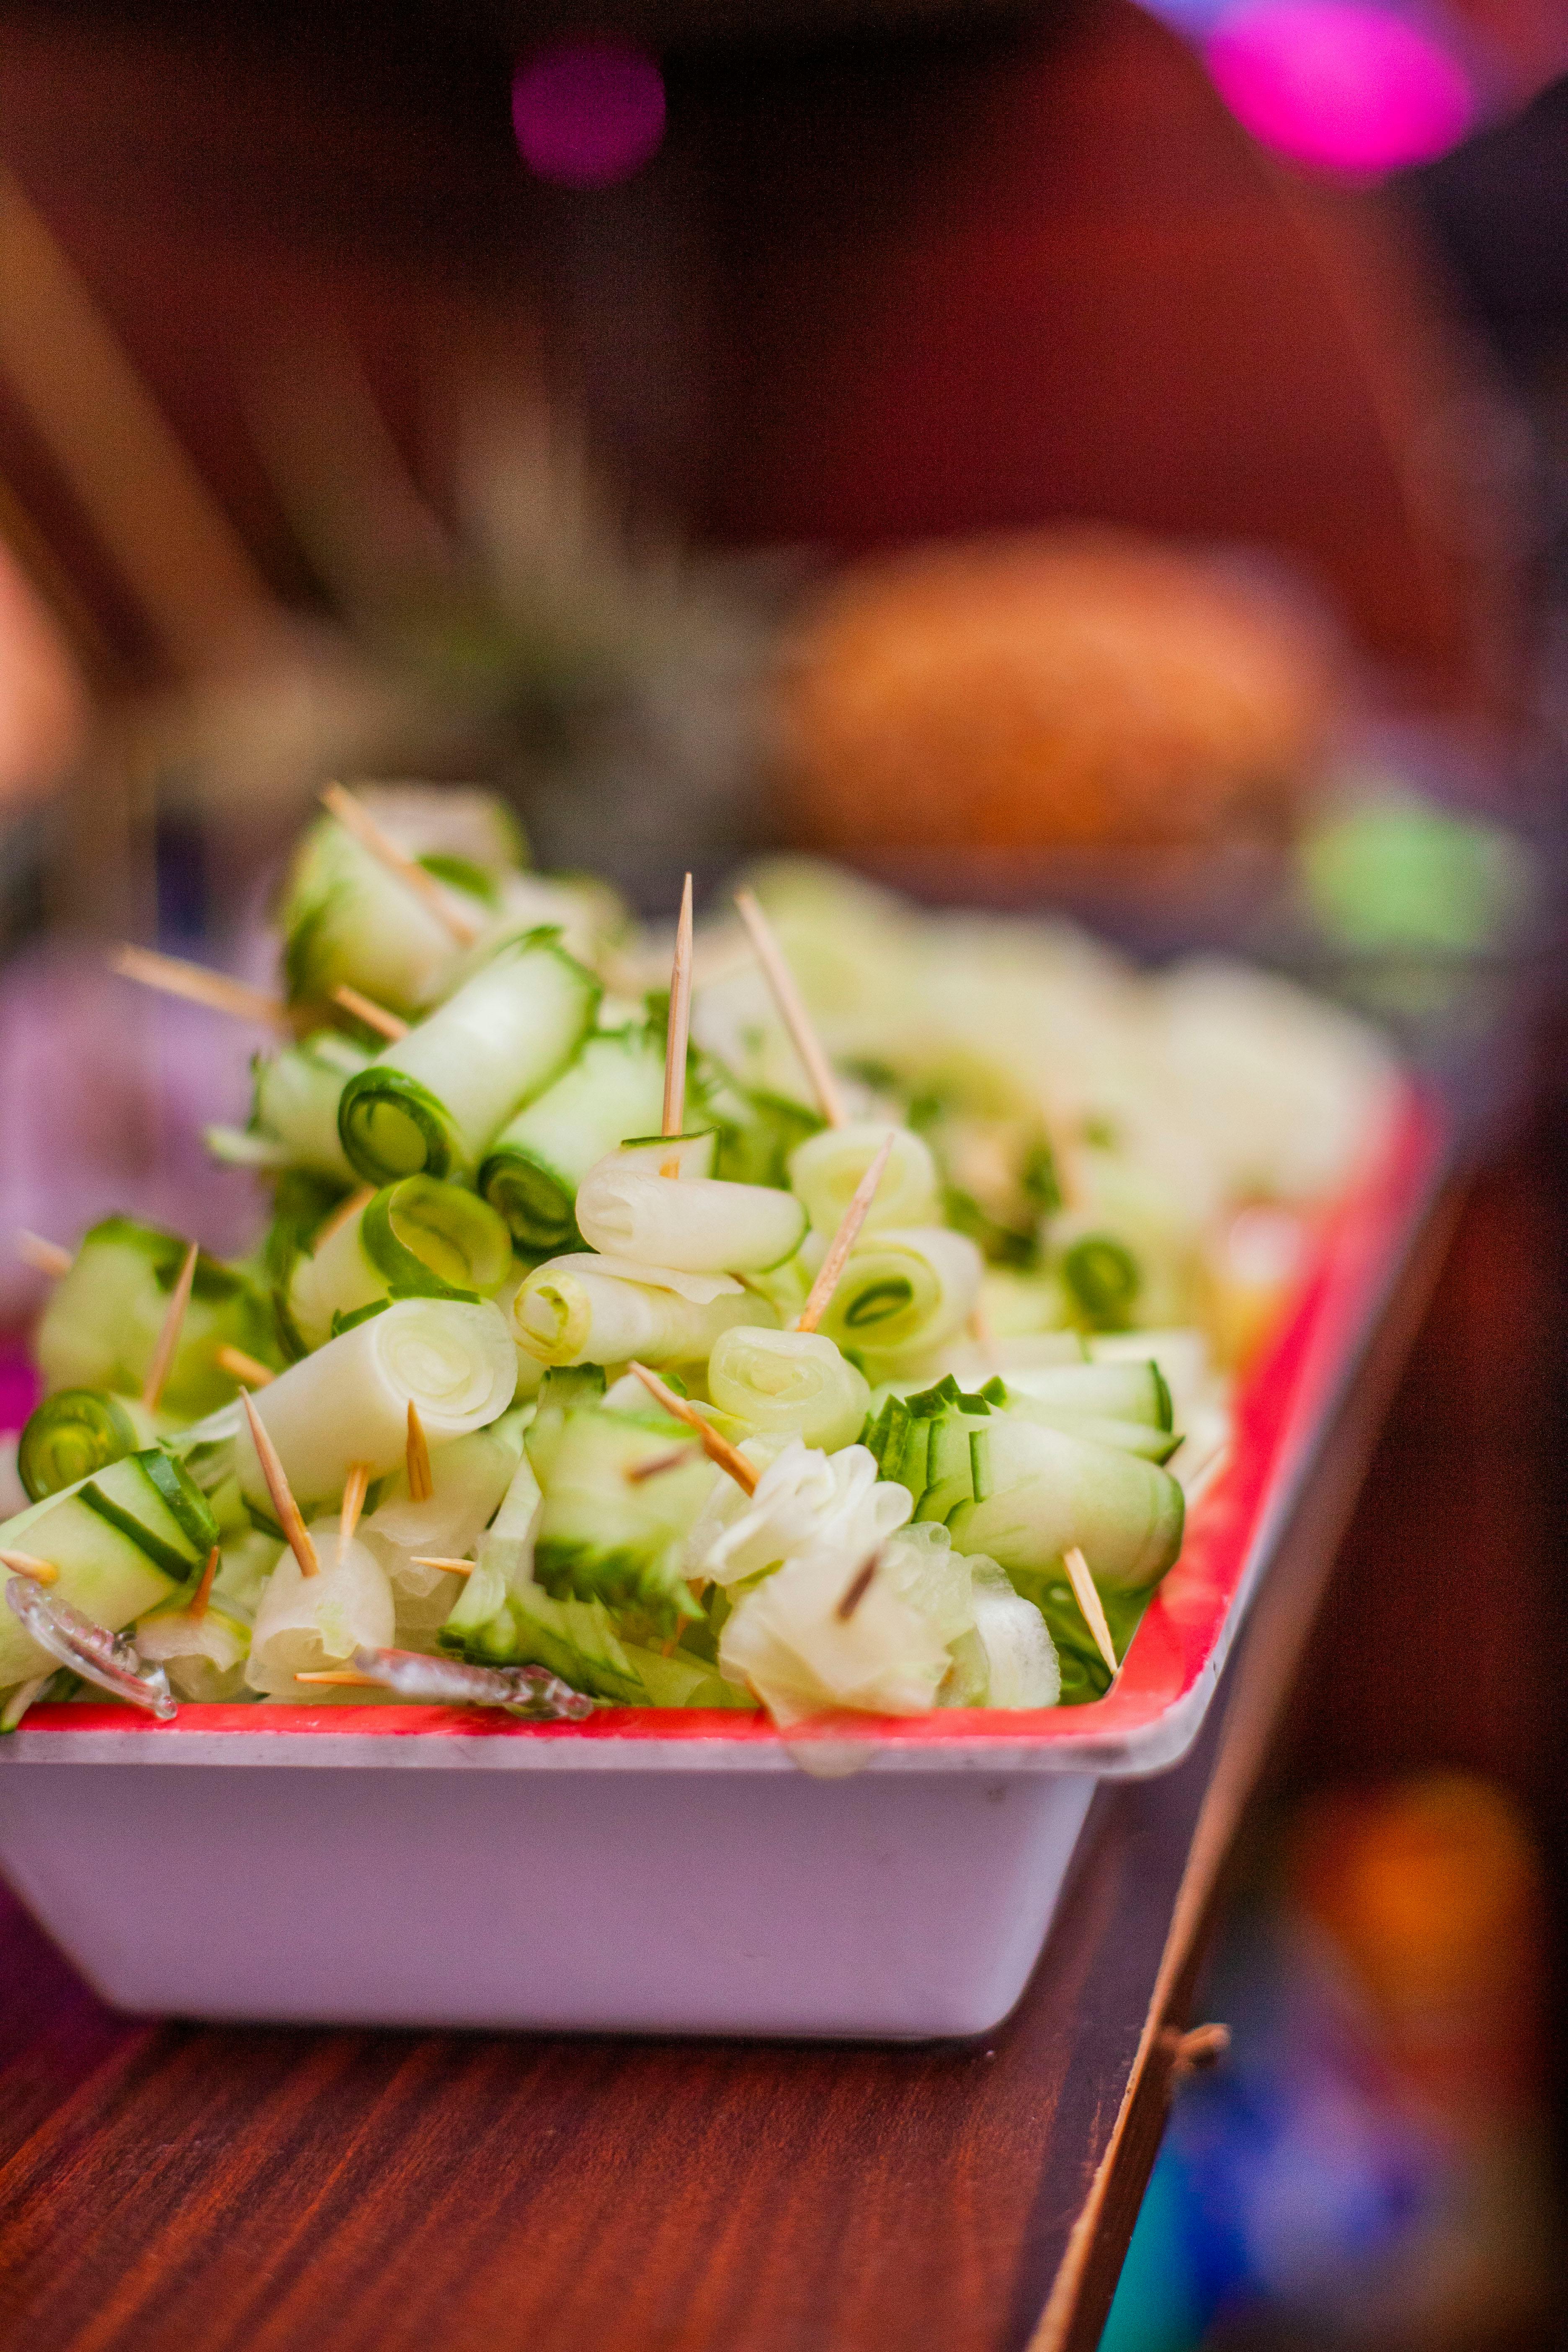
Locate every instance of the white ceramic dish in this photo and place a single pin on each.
(657, 1873)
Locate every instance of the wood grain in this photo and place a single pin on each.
(170, 2186)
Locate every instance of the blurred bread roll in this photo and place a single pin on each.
(1072, 686)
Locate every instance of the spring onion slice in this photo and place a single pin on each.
(76, 1432)
(905, 1292)
(349, 1401)
(307, 1623)
(698, 1225)
(824, 1170)
(533, 1170)
(419, 1238)
(788, 1384)
(435, 1101)
(572, 1311)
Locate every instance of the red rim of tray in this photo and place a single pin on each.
(1277, 1411)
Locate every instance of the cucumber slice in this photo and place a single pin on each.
(1039, 1491)
(605, 1533)
(104, 1318)
(614, 1088)
(150, 1499)
(118, 1547)
(1127, 1436)
(433, 1103)
(1085, 1675)
(74, 1433)
(1110, 1391)
(681, 1680)
(498, 1621)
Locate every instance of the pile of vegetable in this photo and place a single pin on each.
(546, 1360)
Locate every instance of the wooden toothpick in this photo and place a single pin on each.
(452, 1566)
(344, 1679)
(791, 1009)
(243, 1368)
(1087, 1594)
(718, 1449)
(355, 1487)
(173, 976)
(844, 1240)
(857, 1589)
(44, 1257)
(357, 820)
(295, 1532)
(679, 1032)
(390, 1025)
(204, 1592)
(28, 1564)
(163, 1354)
(421, 1485)
(655, 1469)
(361, 1197)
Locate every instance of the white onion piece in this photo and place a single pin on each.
(349, 1401)
(572, 1312)
(698, 1225)
(790, 1383)
(824, 1170)
(804, 1499)
(307, 1624)
(790, 1642)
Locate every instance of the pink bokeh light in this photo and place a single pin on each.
(588, 113)
(1350, 88)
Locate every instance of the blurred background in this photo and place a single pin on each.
(1073, 455)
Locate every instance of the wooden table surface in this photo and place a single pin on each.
(168, 2185)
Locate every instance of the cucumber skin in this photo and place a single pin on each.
(109, 1573)
(1049, 1490)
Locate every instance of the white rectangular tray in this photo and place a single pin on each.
(659, 1871)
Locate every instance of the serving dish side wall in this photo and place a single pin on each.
(660, 1871)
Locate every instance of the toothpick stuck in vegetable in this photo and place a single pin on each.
(28, 1564)
(163, 1354)
(204, 1592)
(439, 1559)
(857, 1589)
(678, 1034)
(44, 1257)
(173, 976)
(1087, 1594)
(295, 1533)
(844, 1240)
(655, 1469)
(357, 820)
(344, 1680)
(718, 1449)
(791, 1009)
(355, 1487)
(243, 1368)
(421, 1485)
(386, 1024)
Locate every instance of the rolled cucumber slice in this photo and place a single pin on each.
(418, 1239)
(104, 1317)
(433, 1103)
(614, 1088)
(294, 1108)
(1039, 1491)
(74, 1433)
(123, 1540)
(1127, 1436)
